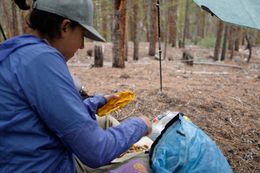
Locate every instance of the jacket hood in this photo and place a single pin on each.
(11, 45)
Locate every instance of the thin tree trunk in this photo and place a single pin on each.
(238, 38)
(99, 56)
(153, 29)
(167, 29)
(172, 20)
(201, 24)
(135, 30)
(125, 36)
(131, 20)
(249, 47)
(105, 19)
(258, 38)
(230, 37)
(186, 23)
(218, 40)
(165, 44)
(224, 47)
(231, 41)
(146, 5)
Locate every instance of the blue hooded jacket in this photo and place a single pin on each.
(43, 121)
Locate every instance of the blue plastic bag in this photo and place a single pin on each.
(182, 147)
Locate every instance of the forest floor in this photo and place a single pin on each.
(222, 101)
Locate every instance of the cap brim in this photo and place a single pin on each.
(92, 34)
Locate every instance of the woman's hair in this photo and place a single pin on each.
(22, 4)
(46, 23)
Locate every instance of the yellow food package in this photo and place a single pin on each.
(115, 103)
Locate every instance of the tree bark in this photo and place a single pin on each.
(224, 46)
(99, 56)
(231, 41)
(105, 19)
(153, 29)
(131, 20)
(146, 4)
(218, 39)
(119, 33)
(135, 32)
(186, 23)
(249, 47)
(172, 20)
(166, 31)
(125, 36)
(201, 24)
(258, 38)
(238, 38)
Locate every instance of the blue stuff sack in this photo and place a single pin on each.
(182, 147)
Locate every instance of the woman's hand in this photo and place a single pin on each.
(109, 97)
(144, 118)
(148, 124)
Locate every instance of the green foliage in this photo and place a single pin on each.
(207, 42)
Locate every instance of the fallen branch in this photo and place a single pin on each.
(217, 64)
(209, 63)
(78, 65)
(203, 72)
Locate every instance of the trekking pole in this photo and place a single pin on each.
(159, 42)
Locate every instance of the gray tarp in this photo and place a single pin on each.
(239, 12)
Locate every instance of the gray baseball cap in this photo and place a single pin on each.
(80, 11)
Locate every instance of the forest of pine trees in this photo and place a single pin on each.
(120, 21)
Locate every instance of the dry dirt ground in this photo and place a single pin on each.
(223, 101)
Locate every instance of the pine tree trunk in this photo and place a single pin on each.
(167, 28)
(201, 24)
(258, 38)
(238, 37)
(231, 41)
(186, 23)
(119, 33)
(131, 20)
(105, 19)
(230, 37)
(125, 29)
(99, 56)
(224, 47)
(249, 47)
(135, 32)
(218, 39)
(153, 29)
(172, 20)
(165, 43)
(146, 4)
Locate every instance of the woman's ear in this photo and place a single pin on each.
(65, 26)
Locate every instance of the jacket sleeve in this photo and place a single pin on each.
(93, 103)
(50, 91)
